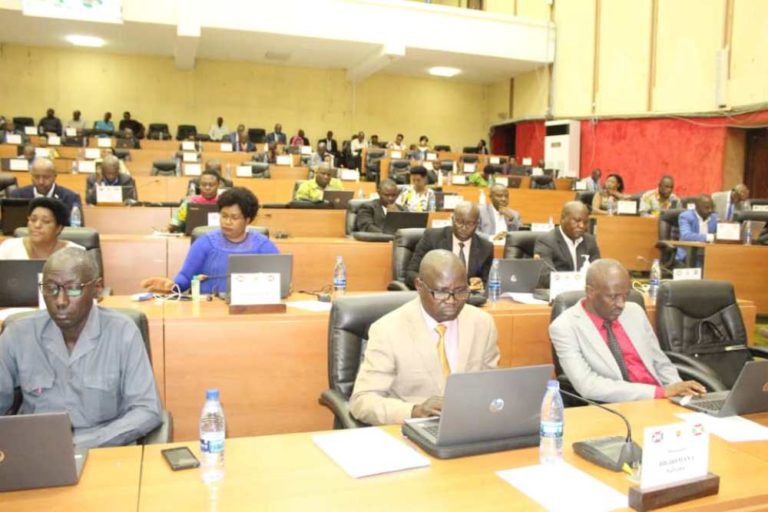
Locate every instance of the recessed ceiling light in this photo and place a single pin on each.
(444, 71)
(90, 41)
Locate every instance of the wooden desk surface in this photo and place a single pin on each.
(743, 265)
(288, 472)
(628, 238)
(110, 481)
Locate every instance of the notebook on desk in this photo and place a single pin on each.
(748, 395)
(484, 412)
(36, 451)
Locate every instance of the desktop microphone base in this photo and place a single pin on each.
(609, 452)
(664, 495)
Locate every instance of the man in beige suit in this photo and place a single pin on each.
(412, 350)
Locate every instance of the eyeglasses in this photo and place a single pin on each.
(460, 294)
(72, 290)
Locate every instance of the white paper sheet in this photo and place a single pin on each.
(523, 298)
(573, 487)
(310, 305)
(733, 429)
(368, 451)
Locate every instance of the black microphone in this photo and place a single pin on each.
(136, 187)
(650, 263)
(609, 452)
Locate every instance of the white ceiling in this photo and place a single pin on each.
(226, 44)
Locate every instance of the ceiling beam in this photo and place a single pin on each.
(377, 61)
(187, 34)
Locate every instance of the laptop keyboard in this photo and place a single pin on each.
(710, 405)
(432, 429)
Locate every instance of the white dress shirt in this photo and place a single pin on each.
(572, 247)
(457, 249)
(451, 337)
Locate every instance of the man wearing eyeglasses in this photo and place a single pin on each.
(412, 350)
(474, 251)
(75, 357)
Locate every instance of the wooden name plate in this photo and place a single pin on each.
(663, 496)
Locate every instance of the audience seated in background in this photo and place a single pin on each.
(610, 194)
(109, 176)
(208, 256)
(313, 190)
(210, 182)
(46, 218)
(50, 123)
(397, 144)
(240, 140)
(482, 178)
(371, 215)
(28, 153)
(77, 122)
(105, 124)
(79, 358)
(460, 238)
(423, 148)
(128, 123)
(43, 175)
(277, 136)
(299, 139)
(497, 218)
(697, 225)
(374, 142)
(567, 246)
(607, 347)
(417, 197)
(331, 145)
(320, 157)
(218, 130)
(653, 202)
(11, 129)
(412, 350)
(593, 182)
(482, 147)
(730, 201)
(128, 139)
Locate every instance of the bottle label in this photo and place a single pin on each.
(339, 283)
(551, 429)
(212, 442)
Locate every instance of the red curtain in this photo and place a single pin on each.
(529, 141)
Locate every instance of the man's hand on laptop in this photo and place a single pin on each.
(686, 387)
(431, 407)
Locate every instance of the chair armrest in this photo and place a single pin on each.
(709, 381)
(364, 236)
(663, 244)
(339, 405)
(163, 433)
(397, 286)
(761, 352)
(691, 362)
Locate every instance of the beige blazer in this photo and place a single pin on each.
(401, 367)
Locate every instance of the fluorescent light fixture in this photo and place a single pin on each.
(90, 41)
(443, 71)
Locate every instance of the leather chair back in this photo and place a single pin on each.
(351, 217)
(163, 168)
(158, 131)
(702, 319)
(86, 237)
(201, 230)
(669, 229)
(399, 171)
(402, 251)
(7, 185)
(257, 135)
(185, 130)
(520, 244)
(586, 196)
(259, 169)
(21, 122)
(469, 159)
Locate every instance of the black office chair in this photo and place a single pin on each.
(259, 170)
(699, 322)
(402, 251)
(201, 230)
(123, 154)
(668, 229)
(442, 147)
(373, 164)
(163, 433)
(348, 325)
(685, 201)
(257, 135)
(543, 181)
(163, 168)
(520, 244)
(586, 196)
(469, 159)
(351, 217)
(22, 122)
(185, 130)
(445, 166)
(742, 215)
(158, 131)
(399, 171)
(7, 185)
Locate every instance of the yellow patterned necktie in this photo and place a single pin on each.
(440, 329)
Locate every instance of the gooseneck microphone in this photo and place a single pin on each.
(611, 452)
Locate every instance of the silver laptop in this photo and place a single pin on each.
(748, 395)
(268, 263)
(36, 450)
(519, 275)
(485, 412)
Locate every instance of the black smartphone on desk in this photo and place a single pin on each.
(180, 458)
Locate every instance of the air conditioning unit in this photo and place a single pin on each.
(562, 147)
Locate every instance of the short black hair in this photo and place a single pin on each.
(619, 181)
(59, 209)
(418, 170)
(211, 172)
(242, 197)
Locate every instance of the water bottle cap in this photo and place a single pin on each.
(553, 384)
(212, 394)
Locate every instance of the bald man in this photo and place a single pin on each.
(110, 176)
(607, 347)
(79, 358)
(731, 201)
(412, 350)
(566, 247)
(462, 239)
(43, 175)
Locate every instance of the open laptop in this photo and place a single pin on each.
(197, 215)
(484, 412)
(36, 451)
(748, 395)
(268, 263)
(402, 220)
(519, 275)
(339, 199)
(13, 214)
(18, 283)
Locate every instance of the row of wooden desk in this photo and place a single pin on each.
(289, 473)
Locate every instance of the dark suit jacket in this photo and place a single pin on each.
(66, 196)
(370, 217)
(276, 138)
(478, 262)
(553, 250)
(233, 139)
(123, 180)
(333, 147)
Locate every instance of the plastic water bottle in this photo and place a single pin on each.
(481, 201)
(551, 222)
(747, 232)
(431, 206)
(75, 218)
(212, 434)
(611, 205)
(551, 431)
(339, 277)
(655, 281)
(192, 189)
(195, 288)
(494, 282)
(74, 167)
